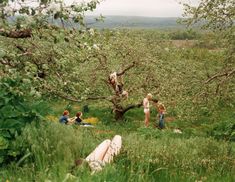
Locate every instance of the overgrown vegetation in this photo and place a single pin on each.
(45, 68)
(147, 153)
(17, 110)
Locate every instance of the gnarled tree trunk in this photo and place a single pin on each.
(118, 115)
(119, 110)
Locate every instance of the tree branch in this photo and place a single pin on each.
(25, 33)
(132, 107)
(86, 99)
(126, 69)
(227, 74)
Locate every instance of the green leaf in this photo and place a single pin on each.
(3, 143)
(11, 123)
(5, 134)
(1, 157)
(3, 1)
(7, 111)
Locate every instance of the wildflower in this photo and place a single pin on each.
(91, 120)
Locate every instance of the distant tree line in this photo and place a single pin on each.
(184, 35)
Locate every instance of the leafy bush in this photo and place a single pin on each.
(16, 110)
(224, 130)
(184, 35)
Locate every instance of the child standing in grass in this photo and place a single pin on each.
(161, 113)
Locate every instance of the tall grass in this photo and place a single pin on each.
(158, 157)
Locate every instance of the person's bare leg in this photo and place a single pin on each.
(147, 117)
(104, 153)
(99, 152)
(113, 149)
(95, 158)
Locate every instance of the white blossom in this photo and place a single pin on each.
(91, 31)
(54, 7)
(8, 10)
(96, 47)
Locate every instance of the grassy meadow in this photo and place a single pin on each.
(148, 154)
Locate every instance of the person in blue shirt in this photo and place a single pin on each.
(65, 118)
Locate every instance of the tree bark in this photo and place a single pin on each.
(119, 111)
(118, 115)
(25, 33)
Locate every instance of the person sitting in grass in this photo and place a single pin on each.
(64, 119)
(161, 113)
(79, 121)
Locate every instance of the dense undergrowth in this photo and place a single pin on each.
(17, 110)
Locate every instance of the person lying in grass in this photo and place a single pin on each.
(102, 155)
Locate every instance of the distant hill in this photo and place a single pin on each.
(134, 22)
(124, 22)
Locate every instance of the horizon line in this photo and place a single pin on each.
(136, 16)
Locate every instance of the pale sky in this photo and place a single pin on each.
(151, 8)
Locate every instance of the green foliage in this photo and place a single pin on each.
(16, 110)
(184, 35)
(217, 16)
(49, 55)
(50, 9)
(224, 130)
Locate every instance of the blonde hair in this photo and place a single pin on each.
(161, 106)
(149, 95)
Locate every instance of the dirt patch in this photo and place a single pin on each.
(170, 119)
(183, 43)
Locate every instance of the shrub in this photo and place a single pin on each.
(16, 110)
(224, 130)
(184, 35)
